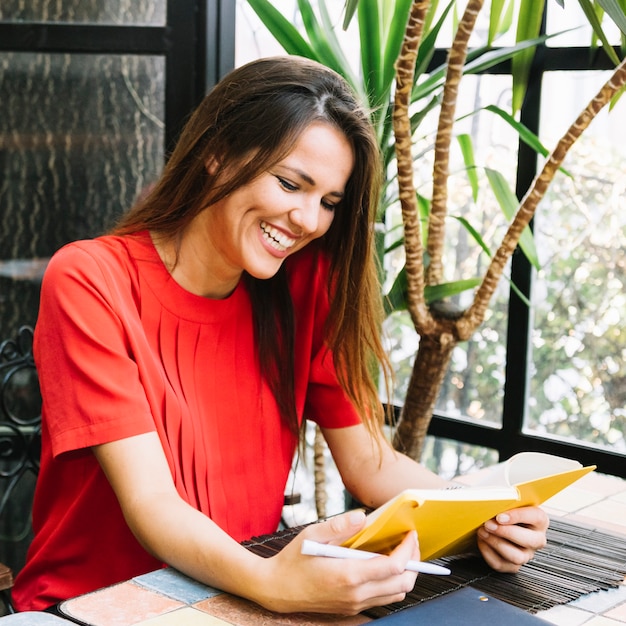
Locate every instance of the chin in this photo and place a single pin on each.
(264, 274)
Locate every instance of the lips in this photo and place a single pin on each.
(276, 238)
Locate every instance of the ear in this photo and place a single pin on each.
(212, 165)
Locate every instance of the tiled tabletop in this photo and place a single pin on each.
(598, 500)
(167, 598)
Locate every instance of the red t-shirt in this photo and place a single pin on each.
(122, 350)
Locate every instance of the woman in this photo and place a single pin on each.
(179, 355)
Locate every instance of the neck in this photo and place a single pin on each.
(192, 270)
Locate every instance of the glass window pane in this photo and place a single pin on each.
(80, 137)
(449, 458)
(254, 40)
(578, 384)
(572, 22)
(122, 12)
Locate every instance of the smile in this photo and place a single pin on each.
(275, 238)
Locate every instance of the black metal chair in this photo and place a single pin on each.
(20, 446)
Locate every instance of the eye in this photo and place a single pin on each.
(291, 187)
(286, 184)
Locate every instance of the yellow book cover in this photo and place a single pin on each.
(447, 519)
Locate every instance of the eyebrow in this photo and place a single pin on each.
(311, 181)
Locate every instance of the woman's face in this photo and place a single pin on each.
(257, 226)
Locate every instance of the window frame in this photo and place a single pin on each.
(510, 437)
(197, 42)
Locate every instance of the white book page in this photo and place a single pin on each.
(526, 466)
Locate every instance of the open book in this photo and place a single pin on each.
(446, 519)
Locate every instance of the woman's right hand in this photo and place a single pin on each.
(291, 582)
(288, 582)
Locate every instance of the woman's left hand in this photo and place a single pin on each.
(511, 539)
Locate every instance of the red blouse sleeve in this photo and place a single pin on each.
(87, 375)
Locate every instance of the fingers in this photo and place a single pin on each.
(503, 558)
(407, 550)
(511, 540)
(337, 529)
(530, 516)
(388, 580)
(357, 584)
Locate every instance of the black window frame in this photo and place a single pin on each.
(197, 42)
(511, 437)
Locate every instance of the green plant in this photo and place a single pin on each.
(441, 329)
(398, 42)
(381, 31)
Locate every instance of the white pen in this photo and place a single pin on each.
(313, 548)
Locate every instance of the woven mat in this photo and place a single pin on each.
(577, 560)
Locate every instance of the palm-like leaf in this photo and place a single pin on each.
(419, 286)
(616, 9)
(528, 27)
(285, 33)
(381, 25)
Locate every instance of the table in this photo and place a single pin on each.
(166, 597)
(578, 559)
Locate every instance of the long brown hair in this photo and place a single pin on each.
(249, 122)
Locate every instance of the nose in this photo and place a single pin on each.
(305, 217)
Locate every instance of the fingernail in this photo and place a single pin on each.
(356, 517)
(503, 518)
(491, 525)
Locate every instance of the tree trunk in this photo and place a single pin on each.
(319, 471)
(439, 333)
(431, 364)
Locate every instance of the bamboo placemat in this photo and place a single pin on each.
(577, 560)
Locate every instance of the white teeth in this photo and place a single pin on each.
(275, 238)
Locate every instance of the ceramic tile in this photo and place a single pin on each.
(597, 522)
(172, 583)
(554, 512)
(603, 484)
(608, 510)
(619, 497)
(565, 615)
(618, 613)
(187, 617)
(598, 620)
(119, 605)
(601, 601)
(573, 499)
(240, 612)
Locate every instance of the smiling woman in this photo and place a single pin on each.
(180, 355)
(258, 225)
